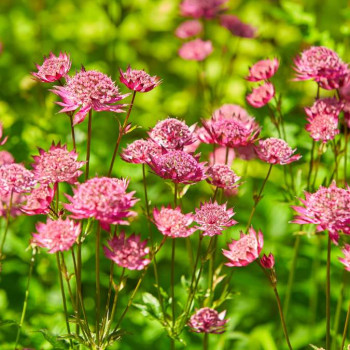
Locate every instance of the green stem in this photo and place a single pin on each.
(172, 284)
(57, 196)
(206, 341)
(328, 295)
(98, 296)
(88, 147)
(213, 242)
(345, 328)
(311, 164)
(72, 131)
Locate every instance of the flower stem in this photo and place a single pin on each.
(213, 242)
(311, 164)
(345, 328)
(7, 225)
(206, 341)
(72, 131)
(88, 147)
(328, 296)
(346, 135)
(98, 296)
(172, 284)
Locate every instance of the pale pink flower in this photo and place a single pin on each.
(276, 151)
(172, 223)
(141, 151)
(322, 65)
(39, 200)
(221, 175)
(263, 70)
(6, 158)
(56, 235)
(2, 140)
(245, 250)
(16, 204)
(188, 29)
(213, 218)
(138, 80)
(57, 165)
(88, 90)
(179, 167)
(267, 262)
(237, 27)
(15, 178)
(246, 152)
(207, 9)
(208, 320)
(53, 68)
(104, 199)
(328, 208)
(219, 156)
(261, 95)
(346, 260)
(196, 50)
(232, 111)
(128, 252)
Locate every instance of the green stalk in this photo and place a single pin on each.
(345, 328)
(88, 147)
(72, 131)
(328, 295)
(98, 296)
(206, 341)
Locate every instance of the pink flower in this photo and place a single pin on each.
(2, 141)
(322, 65)
(245, 250)
(232, 111)
(219, 156)
(88, 90)
(208, 320)
(188, 29)
(346, 260)
(138, 80)
(213, 218)
(104, 199)
(53, 68)
(237, 27)
(39, 200)
(56, 235)
(328, 208)
(172, 223)
(57, 165)
(261, 95)
(323, 119)
(179, 167)
(16, 204)
(127, 252)
(276, 151)
(207, 9)
(267, 262)
(172, 134)
(263, 70)
(221, 175)
(6, 158)
(246, 152)
(196, 50)
(141, 151)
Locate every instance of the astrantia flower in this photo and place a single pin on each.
(213, 218)
(207, 9)
(188, 29)
(56, 235)
(328, 208)
(2, 140)
(6, 158)
(88, 90)
(179, 167)
(261, 95)
(53, 68)
(267, 262)
(39, 200)
(172, 134)
(322, 65)
(323, 119)
(16, 201)
(15, 178)
(245, 250)
(208, 320)
(172, 223)
(196, 50)
(104, 199)
(128, 252)
(276, 151)
(237, 27)
(232, 111)
(221, 175)
(138, 80)
(141, 151)
(263, 70)
(57, 165)
(346, 260)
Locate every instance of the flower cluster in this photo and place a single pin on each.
(208, 320)
(138, 80)
(15, 178)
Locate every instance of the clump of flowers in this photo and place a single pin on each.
(263, 70)
(128, 252)
(237, 27)
(39, 200)
(188, 29)
(138, 80)
(207, 9)
(346, 260)
(261, 95)
(196, 50)
(221, 175)
(207, 320)
(141, 151)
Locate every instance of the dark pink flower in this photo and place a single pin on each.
(88, 90)
(16, 204)
(263, 70)
(57, 165)
(39, 200)
(237, 27)
(245, 250)
(276, 151)
(179, 167)
(15, 178)
(322, 65)
(213, 218)
(2, 140)
(188, 29)
(104, 199)
(328, 208)
(207, 9)
(56, 235)
(267, 262)
(141, 151)
(196, 50)
(221, 175)
(172, 223)
(128, 252)
(219, 156)
(138, 80)
(208, 320)
(6, 158)
(261, 95)
(53, 68)
(346, 260)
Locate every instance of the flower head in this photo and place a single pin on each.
(138, 80)
(15, 178)
(208, 320)
(237, 27)
(267, 262)
(56, 235)
(276, 151)
(221, 175)
(6, 158)
(213, 218)
(88, 90)
(172, 223)
(232, 111)
(188, 29)
(39, 200)
(196, 50)
(263, 70)
(346, 260)
(141, 151)
(261, 95)
(245, 250)
(53, 68)
(127, 252)
(207, 9)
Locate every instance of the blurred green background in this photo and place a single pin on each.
(108, 35)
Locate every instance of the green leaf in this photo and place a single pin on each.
(54, 340)
(8, 323)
